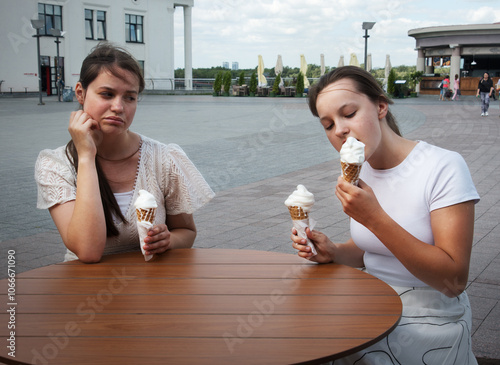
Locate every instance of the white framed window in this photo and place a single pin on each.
(134, 31)
(95, 24)
(51, 15)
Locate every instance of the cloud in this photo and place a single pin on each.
(240, 30)
(485, 15)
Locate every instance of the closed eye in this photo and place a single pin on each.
(351, 115)
(329, 127)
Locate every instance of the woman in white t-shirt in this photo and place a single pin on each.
(89, 186)
(412, 219)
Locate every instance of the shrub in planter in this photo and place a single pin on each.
(218, 83)
(253, 84)
(415, 78)
(391, 79)
(300, 85)
(227, 82)
(276, 85)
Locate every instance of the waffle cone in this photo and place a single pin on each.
(146, 215)
(350, 172)
(297, 213)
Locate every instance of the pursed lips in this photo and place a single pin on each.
(114, 119)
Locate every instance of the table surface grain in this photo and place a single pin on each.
(195, 306)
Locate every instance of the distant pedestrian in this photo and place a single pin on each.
(444, 86)
(484, 89)
(456, 88)
(498, 89)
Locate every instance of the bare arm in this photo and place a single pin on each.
(81, 222)
(178, 232)
(444, 265)
(342, 253)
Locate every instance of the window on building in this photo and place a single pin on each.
(101, 24)
(133, 28)
(141, 66)
(95, 24)
(89, 24)
(52, 15)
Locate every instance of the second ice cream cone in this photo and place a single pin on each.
(350, 172)
(297, 213)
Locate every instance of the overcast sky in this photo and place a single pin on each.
(240, 30)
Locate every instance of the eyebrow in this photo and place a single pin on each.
(112, 89)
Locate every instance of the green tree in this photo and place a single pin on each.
(227, 82)
(391, 87)
(276, 85)
(241, 81)
(253, 83)
(218, 83)
(300, 84)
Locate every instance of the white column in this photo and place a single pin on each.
(455, 63)
(420, 65)
(170, 47)
(188, 51)
(421, 60)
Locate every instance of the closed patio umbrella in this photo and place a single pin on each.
(387, 70)
(341, 62)
(303, 69)
(354, 60)
(322, 64)
(260, 72)
(279, 68)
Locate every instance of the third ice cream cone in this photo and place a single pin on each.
(350, 172)
(352, 156)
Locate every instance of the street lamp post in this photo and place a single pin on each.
(58, 34)
(367, 26)
(38, 24)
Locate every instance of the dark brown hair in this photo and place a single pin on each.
(105, 57)
(365, 84)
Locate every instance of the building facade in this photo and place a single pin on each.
(469, 51)
(143, 27)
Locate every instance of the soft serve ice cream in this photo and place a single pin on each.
(301, 198)
(352, 156)
(145, 207)
(299, 204)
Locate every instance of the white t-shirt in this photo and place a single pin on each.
(429, 178)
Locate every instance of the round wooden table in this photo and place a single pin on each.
(195, 306)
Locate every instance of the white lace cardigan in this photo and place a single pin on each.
(164, 170)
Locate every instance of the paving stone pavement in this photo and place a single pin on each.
(253, 152)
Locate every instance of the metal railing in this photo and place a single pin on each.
(203, 84)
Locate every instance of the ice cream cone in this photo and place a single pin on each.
(299, 205)
(146, 215)
(350, 172)
(297, 213)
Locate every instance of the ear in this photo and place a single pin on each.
(383, 108)
(80, 93)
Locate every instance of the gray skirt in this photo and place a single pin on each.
(434, 329)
